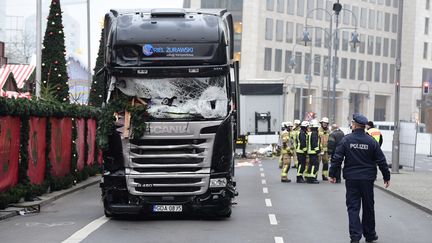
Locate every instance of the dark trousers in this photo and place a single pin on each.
(313, 165)
(301, 164)
(360, 193)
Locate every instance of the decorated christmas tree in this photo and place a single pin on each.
(96, 97)
(54, 74)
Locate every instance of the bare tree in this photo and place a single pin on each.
(22, 49)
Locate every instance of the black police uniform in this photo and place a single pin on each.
(362, 155)
(334, 139)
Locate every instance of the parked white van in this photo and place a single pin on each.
(389, 126)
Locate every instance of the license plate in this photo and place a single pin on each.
(167, 208)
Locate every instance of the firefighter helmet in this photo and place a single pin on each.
(314, 123)
(296, 122)
(304, 124)
(325, 120)
(289, 124)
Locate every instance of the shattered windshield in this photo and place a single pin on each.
(187, 97)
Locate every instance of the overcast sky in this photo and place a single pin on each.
(77, 10)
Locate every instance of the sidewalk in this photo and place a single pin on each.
(414, 188)
(30, 207)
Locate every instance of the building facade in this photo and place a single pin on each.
(272, 48)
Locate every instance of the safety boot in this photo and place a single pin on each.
(300, 179)
(373, 239)
(324, 178)
(312, 180)
(285, 180)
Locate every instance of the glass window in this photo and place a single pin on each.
(289, 32)
(378, 46)
(329, 7)
(291, 7)
(300, 8)
(425, 50)
(317, 65)
(288, 56)
(346, 14)
(377, 72)
(388, 3)
(381, 2)
(270, 5)
(363, 17)
(279, 30)
(234, 5)
(371, 19)
(309, 8)
(308, 66)
(372, 1)
(392, 73)
(326, 38)
(345, 41)
(269, 29)
(267, 59)
(278, 60)
(393, 48)
(355, 15)
(326, 66)
(344, 68)
(384, 72)
(280, 6)
(426, 30)
(362, 43)
(369, 71)
(319, 13)
(360, 75)
(370, 45)
(427, 4)
(387, 22)
(379, 19)
(396, 3)
(352, 74)
(298, 61)
(318, 37)
(386, 47)
(394, 23)
(299, 32)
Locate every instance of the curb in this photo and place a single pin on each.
(410, 202)
(51, 197)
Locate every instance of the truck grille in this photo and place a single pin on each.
(170, 166)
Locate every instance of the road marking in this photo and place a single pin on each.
(81, 234)
(268, 202)
(278, 240)
(430, 169)
(261, 169)
(260, 165)
(262, 175)
(263, 181)
(265, 190)
(273, 220)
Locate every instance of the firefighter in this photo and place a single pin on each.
(374, 132)
(301, 150)
(282, 133)
(324, 133)
(294, 133)
(314, 149)
(287, 150)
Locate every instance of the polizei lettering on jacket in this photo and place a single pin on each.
(168, 129)
(359, 146)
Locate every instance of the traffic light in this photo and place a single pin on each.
(425, 88)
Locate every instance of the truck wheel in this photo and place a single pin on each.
(108, 214)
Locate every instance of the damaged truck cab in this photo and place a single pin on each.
(178, 64)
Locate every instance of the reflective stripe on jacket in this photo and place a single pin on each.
(375, 133)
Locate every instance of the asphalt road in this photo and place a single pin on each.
(266, 211)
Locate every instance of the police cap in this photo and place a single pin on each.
(360, 119)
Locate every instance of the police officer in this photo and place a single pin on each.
(335, 137)
(314, 149)
(362, 155)
(301, 150)
(324, 134)
(374, 132)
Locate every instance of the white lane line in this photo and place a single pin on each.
(260, 165)
(263, 181)
(261, 169)
(262, 175)
(278, 239)
(265, 190)
(81, 234)
(273, 220)
(268, 202)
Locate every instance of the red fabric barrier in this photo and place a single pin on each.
(36, 150)
(61, 139)
(9, 151)
(100, 157)
(91, 141)
(80, 143)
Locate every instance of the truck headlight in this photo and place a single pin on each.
(218, 182)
